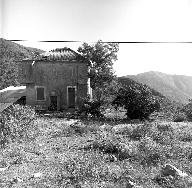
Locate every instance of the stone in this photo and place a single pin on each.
(172, 175)
(173, 171)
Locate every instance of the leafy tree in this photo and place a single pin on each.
(101, 57)
(104, 83)
(138, 100)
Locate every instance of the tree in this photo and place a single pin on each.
(101, 57)
(138, 100)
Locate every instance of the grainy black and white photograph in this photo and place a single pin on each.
(95, 94)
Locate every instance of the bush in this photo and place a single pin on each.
(180, 117)
(187, 109)
(151, 153)
(138, 101)
(83, 166)
(140, 131)
(104, 142)
(91, 107)
(17, 123)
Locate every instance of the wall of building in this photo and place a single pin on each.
(56, 76)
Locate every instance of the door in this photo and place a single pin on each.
(71, 97)
(53, 103)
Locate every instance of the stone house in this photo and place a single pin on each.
(56, 80)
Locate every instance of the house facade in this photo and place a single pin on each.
(56, 80)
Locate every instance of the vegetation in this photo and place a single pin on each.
(100, 58)
(42, 151)
(138, 100)
(17, 124)
(74, 153)
(10, 54)
(174, 87)
(169, 109)
(187, 109)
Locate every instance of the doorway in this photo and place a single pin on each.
(53, 103)
(71, 96)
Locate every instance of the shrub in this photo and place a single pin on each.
(17, 123)
(184, 134)
(83, 166)
(187, 109)
(140, 131)
(161, 133)
(138, 101)
(91, 107)
(180, 117)
(164, 127)
(151, 153)
(105, 142)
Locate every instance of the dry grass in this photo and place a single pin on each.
(72, 153)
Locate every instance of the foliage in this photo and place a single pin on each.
(100, 158)
(103, 96)
(187, 109)
(84, 165)
(138, 100)
(150, 151)
(10, 54)
(101, 56)
(90, 108)
(107, 93)
(8, 73)
(17, 123)
(174, 87)
(179, 117)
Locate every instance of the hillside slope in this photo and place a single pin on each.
(12, 50)
(168, 107)
(10, 53)
(175, 87)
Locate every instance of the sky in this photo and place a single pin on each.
(108, 20)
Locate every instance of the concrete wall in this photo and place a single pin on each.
(56, 76)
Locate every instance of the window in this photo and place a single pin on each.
(40, 91)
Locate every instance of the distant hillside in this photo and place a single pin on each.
(129, 81)
(168, 107)
(12, 50)
(175, 87)
(10, 53)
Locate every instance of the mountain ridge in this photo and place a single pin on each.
(175, 87)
